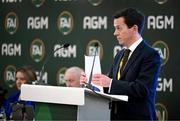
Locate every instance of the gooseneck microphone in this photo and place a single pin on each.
(89, 85)
(40, 82)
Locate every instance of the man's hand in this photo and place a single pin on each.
(101, 80)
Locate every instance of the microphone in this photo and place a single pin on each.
(40, 82)
(64, 46)
(89, 85)
(21, 111)
(17, 111)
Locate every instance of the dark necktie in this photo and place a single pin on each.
(123, 62)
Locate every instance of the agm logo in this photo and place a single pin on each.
(10, 75)
(91, 49)
(60, 77)
(163, 50)
(95, 2)
(95, 22)
(11, 23)
(37, 23)
(44, 76)
(11, 1)
(165, 85)
(161, 112)
(38, 3)
(160, 22)
(65, 22)
(37, 50)
(65, 52)
(11, 49)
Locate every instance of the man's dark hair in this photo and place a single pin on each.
(132, 17)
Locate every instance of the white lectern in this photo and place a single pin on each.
(90, 105)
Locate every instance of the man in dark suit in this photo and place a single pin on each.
(137, 76)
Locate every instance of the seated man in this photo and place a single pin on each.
(72, 76)
(14, 105)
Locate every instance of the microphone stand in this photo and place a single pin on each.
(23, 111)
(40, 82)
(89, 85)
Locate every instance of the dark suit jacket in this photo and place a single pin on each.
(138, 81)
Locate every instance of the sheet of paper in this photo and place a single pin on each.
(96, 69)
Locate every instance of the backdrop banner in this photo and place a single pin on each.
(31, 30)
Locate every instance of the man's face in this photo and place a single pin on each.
(122, 32)
(71, 80)
(20, 79)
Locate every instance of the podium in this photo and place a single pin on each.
(88, 105)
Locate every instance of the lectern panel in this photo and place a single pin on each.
(49, 111)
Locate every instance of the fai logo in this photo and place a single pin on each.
(37, 50)
(11, 23)
(161, 112)
(160, 1)
(163, 50)
(65, 22)
(38, 3)
(91, 49)
(95, 2)
(60, 77)
(10, 76)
